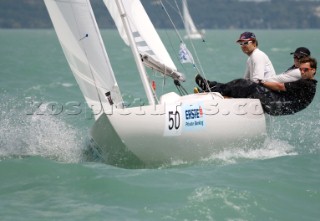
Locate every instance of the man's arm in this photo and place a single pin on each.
(275, 86)
(288, 76)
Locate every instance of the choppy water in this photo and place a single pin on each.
(46, 173)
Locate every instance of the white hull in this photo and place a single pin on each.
(196, 35)
(227, 123)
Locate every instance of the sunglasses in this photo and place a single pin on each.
(245, 43)
(305, 69)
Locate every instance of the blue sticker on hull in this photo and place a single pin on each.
(193, 117)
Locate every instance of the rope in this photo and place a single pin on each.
(181, 89)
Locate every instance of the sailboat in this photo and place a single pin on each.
(170, 127)
(191, 30)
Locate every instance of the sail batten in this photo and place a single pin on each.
(145, 36)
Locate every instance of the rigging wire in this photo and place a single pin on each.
(180, 88)
(190, 41)
(176, 8)
(173, 45)
(174, 26)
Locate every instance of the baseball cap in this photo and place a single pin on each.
(301, 52)
(246, 36)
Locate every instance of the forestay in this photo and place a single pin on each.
(147, 40)
(81, 42)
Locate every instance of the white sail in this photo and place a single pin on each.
(147, 40)
(83, 47)
(192, 31)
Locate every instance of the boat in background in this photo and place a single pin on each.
(191, 30)
(169, 128)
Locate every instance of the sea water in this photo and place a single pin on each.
(46, 173)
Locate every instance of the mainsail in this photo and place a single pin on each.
(147, 40)
(83, 47)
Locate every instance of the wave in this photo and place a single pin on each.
(24, 134)
(270, 149)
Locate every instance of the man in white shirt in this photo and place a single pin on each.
(293, 73)
(276, 98)
(259, 66)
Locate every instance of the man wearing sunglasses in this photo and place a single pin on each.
(276, 98)
(258, 65)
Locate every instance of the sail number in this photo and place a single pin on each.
(174, 120)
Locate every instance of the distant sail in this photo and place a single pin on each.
(192, 31)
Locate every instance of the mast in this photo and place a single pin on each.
(136, 55)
